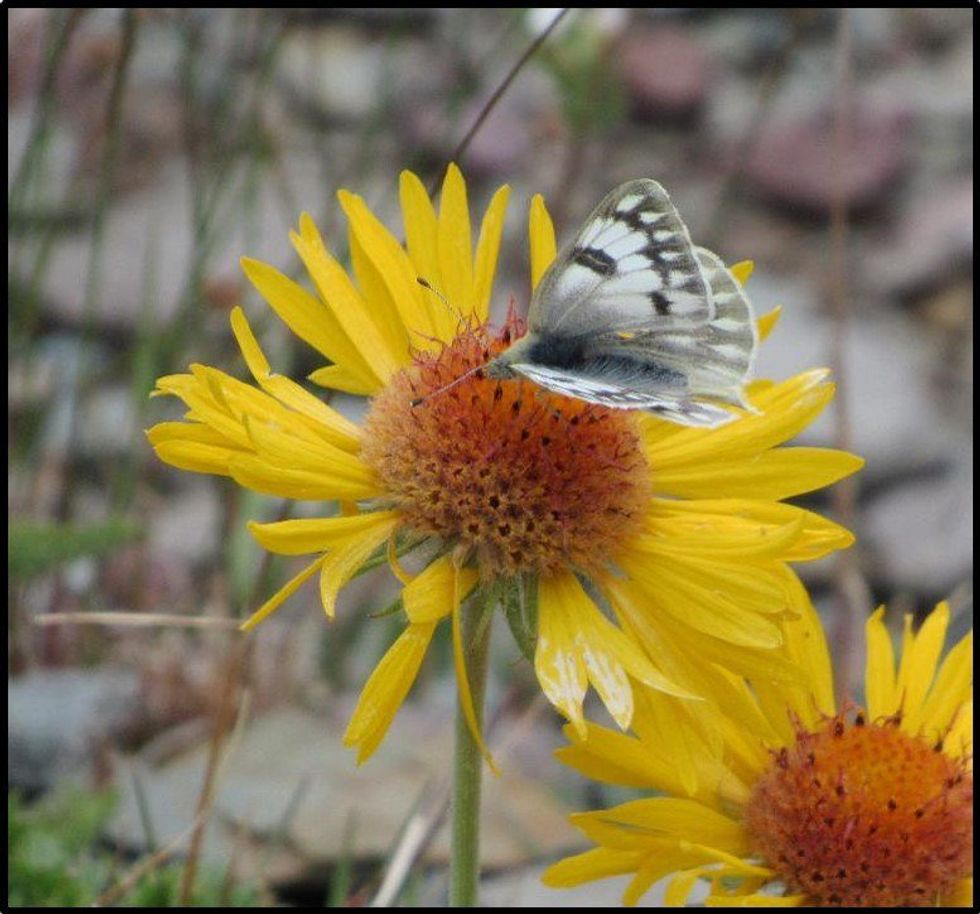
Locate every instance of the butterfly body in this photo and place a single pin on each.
(581, 360)
(633, 315)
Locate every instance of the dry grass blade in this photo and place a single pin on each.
(154, 861)
(136, 620)
(236, 661)
(852, 590)
(423, 824)
(498, 93)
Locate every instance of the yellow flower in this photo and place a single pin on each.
(768, 786)
(546, 503)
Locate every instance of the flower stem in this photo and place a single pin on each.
(464, 867)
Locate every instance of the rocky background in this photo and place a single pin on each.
(148, 150)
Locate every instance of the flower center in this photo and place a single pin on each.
(524, 479)
(864, 815)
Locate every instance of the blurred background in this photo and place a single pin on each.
(160, 758)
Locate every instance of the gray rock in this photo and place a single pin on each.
(106, 422)
(919, 536)
(186, 525)
(896, 418)
(290, 772)
(934, 240)
(333, 71)
(522, 888)
(154, 229)
(60, 719)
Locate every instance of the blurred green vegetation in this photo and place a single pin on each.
(55, 859)
(35, 548)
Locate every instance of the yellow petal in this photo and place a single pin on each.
(952, 688)
(742, 271)
(309, 319)
(387, 279)
(612, 757)
(806, 645)
(195, 456)
(785, 408)
(185, 431)
(767, 323)
(542, 238)
(775, 474)
(598, 863)
(377, 344)
(920, 654)
(673, 728)
(600, 651)
(280, 597)
(655, 867)
(727, 541)
(455, 243)
(961, 896)
(339, 378)
(558, 664)
(269, 478)
(276, 447)
(487, 249)
(421, 230)
(680, 818)
(429, 596)
(682, 884)
(756, 901)
(339, 431)
(818, 536)
(298, 537)
(386, 689)
(879, 675)
(706, 610)
(343, 561)
(958, 742)
(463, 680)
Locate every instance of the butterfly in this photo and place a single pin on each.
(631, 314)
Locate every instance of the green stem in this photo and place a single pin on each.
(464, 867)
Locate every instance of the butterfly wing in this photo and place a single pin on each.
(676, 371)
(606, 389)
(632, 267)
(714, 358)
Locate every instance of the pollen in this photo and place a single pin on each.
(523, 480)
(862, 814)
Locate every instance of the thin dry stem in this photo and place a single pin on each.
(852, 591)
(155, 860)
(224, 716)
(498, 93)
(136, 619)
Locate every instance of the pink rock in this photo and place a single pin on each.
(665, 71)
(795, 162)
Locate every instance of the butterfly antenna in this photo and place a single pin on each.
(448, 386)
(425, 284)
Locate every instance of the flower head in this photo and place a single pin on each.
(568, 512)
(855, 806)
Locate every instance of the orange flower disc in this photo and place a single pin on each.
(526, 480)
(867, 816)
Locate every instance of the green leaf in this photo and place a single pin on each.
(35, 548)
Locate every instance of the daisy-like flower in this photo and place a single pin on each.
(775, 797)
(544, 502)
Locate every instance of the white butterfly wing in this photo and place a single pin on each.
(676, 371)
(715, 358)
(632, 268)
(675, 406)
